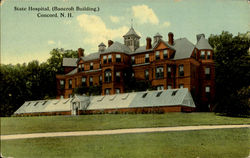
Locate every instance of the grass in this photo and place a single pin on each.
(226, 143)
(17, 125)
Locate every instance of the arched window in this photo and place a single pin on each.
(108, 76)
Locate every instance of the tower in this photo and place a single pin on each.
(131, 39)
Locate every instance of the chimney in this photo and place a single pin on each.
(199, 36)
(170, 38)
(110, 42)
(80, 52)
(148, 46)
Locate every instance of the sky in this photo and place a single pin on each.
(26, 37)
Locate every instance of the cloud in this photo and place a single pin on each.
(166, 24)
(143, 14)
(51, 42)
(97, 30)
(114, 19)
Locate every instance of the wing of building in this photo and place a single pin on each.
(171, 100)
(164, 63)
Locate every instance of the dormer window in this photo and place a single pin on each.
(104, 59)
(202, 54)
(118, 58)
(146, 58)
(91, 66)
(157, 55)
(165, 54)
(110, 58)
(208, 55)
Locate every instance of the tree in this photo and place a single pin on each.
(232, 65)
(32, 81)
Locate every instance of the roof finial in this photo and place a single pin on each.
(131, 23)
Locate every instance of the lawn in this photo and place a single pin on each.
(226, 143)
(17, 125)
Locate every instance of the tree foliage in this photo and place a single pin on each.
(32, 81)
(232, 76)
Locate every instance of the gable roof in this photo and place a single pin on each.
(170, 97)
(203, 43)
(183, 48)
(70, 62)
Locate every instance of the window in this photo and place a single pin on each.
(157, 55)
(110, 58)
(144, 95)
(104, 59)
(100, 65)
(61, 97)
(133, 75)
(202, 54)
(117, 76)
(108, 76)
(62, 84)
(169, 71)
(117, 91)
(158, 94)
(83, 81)
(174, 93)
(208, 55)
(207, 73)
(70, 83)
(79, 68)
(100, 80)
(91, 66)
(181, 70)
(181, 86)
(82, 67)
(133, 60)
(107, 91)
(169, 86)
(146, 75)
(159, 72)
(146, 58)
(118, 58)
(161, 87)
(207, 90)
(91, 81)
(165, 54)
(44, 102)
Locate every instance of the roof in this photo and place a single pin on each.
(141, 50)
(203, 43)
(71, 62)
(157, 35)
(101, 44)
(91, 56)
(131, 32)
(183, 48)
(170, 97)
(74, 71)
(117, 47)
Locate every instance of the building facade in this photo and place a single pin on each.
(165, 64)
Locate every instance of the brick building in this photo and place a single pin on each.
(165, 64)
